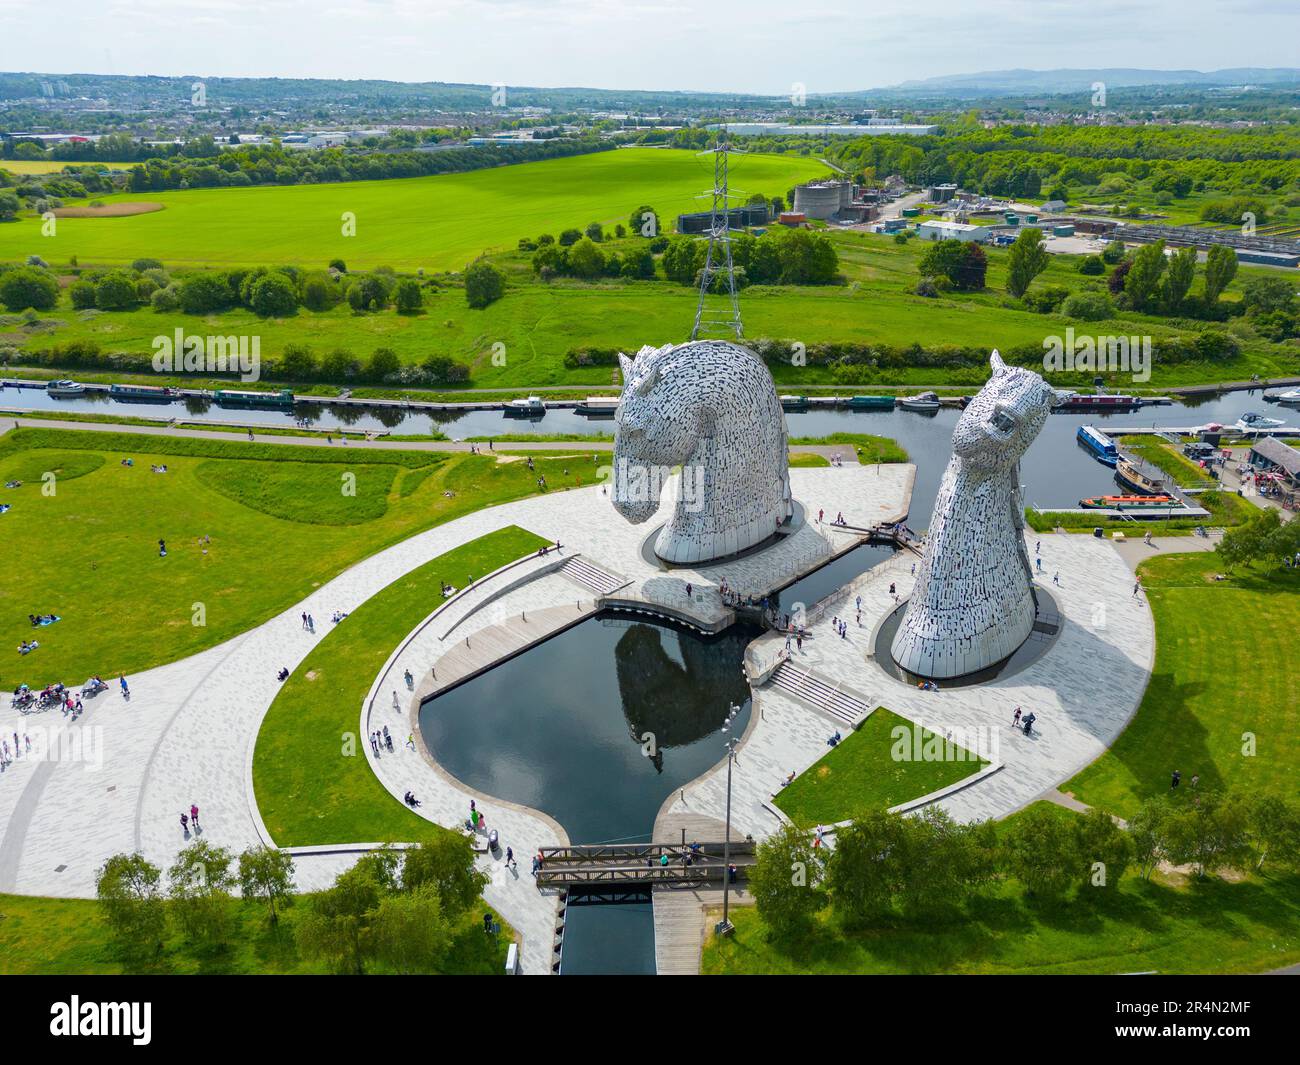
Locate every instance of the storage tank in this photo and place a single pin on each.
(818, 199)
(1064, 230)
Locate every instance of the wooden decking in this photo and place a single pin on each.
(683, 922)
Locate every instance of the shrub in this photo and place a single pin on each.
(1093, 266)
(1113, 252)
(203, 293)
(165, 300)
(141, 265)
(82, 294)
(273, 296)
(28, 286)
(484, 284)
(1088, 306)
(570, 237)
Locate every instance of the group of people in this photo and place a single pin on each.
(38, 620)
(308, 622)
(190, 820)
(157, 469)
(1024, 722)
(381, 739)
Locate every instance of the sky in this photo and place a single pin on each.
(772, 45)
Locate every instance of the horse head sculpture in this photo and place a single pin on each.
(710, 408)
(973, 603)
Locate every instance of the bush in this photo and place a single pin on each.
(595, 231)
(273, 296)
(407, 296)
(570, 237)
(319, 292)
(1088, 306)
(1046, 300)
(1113, 252)
(165, 300)
(28, 286)
(204, 293)
(115, 292)
(484, 284)
(82, 294)
(1093, 266)
(141, 265)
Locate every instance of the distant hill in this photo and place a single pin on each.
(1067, 80)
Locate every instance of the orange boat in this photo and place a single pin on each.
(1127, 502)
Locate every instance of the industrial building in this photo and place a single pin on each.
(875, 129)
(752, 214)
(823, 199)
(933, 230)
(942, 193)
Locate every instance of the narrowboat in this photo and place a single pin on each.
(871, 403)
(1137, 479)
(1102, 447)
(794, 402)
(227, 397)
(598, 406)
(1129, 502)
(143, 393)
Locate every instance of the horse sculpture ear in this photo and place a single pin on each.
(995, 360)
(625, 364)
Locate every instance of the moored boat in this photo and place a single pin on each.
(925, 402)
(794, 402)
(1254, 420)
(532, 407)
(65, 388)
(1160, 502)
(143, 393)
(871, 402)
(598, 406)
(1142, 480)
(228, 397)
(1102, 447)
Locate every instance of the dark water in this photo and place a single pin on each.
(1056, 472)
(563, 728)
(820, 583)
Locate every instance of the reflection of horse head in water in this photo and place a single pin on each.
(711, 408)
(973, 603)
(676, 687)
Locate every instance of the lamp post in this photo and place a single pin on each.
(725, 927)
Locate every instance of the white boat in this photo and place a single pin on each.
(1293, 396)
(926, 401)
(65, 388)
(1252, 420)
(532, 407)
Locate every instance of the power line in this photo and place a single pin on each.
(718, 260)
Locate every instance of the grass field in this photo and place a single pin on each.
(279, 522)
(1209, 926)
(538, 323)
(308, 790)
(44, 937)
(438, 223)
(50, 166)
(1225, 671)
(860, 775)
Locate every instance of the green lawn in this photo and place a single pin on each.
(44, 936)
(1166, 457)
(1226, 510)
(279, 520)
(1209, 926)
(1225, 671)
(861, 774)
(440, 222)
(310, 775)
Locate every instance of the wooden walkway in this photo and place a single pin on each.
(684, 918)
(611, 867)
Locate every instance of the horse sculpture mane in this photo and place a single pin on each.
(711, 408)
(973, 603)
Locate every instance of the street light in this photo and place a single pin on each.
(725, 927)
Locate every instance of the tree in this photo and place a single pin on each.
(962, 262)
(28, 286)
(680, 259)
(1028, 259)
(129, 896)
(200, 885)
(1092, 265)
(1208, 832)
(638, 264)
(368, 293)
(1266, 295)
(204, 292)
(1113, 252)
(807, 258)
(445, 862)
(10, 205)
(1143, 280)
(273, 296)
(585, 259)
(1273, 830)
(115, 291)
(645, 221)
(1148, 831)
(595, 231)
(267, 874)
(1043, 854)
(484, 284)
(1105, 849)
(319, 292)
(82, 295)
(862, 875)
(785, 881)
(411, 933)
(336, 928)
(1179, 275)
(407, 296)
(383, 364)
(1255, 540)
(296, 364)
(1220, 269)
(570, 237)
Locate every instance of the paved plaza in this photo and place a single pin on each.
(188, 732)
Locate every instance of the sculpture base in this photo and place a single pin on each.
(1048, 623)
(649, 546)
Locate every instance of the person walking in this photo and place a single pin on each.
(1015, 718)
(126, 691)
(1137, 586)
(185, 825)
(194, 814)
(1175, 780)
